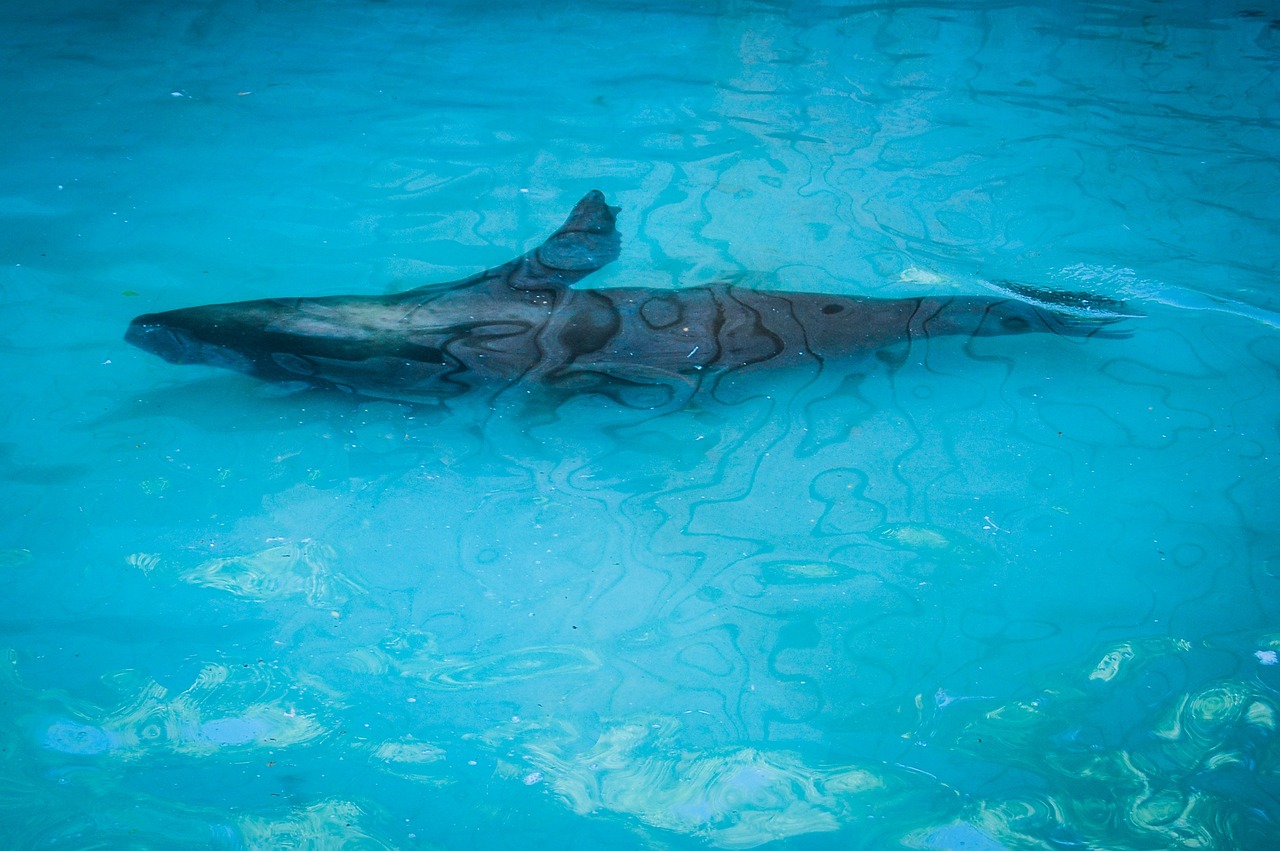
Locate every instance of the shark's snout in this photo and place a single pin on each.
(151, 334)
(158, 334)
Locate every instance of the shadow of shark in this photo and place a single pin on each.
(524, 322)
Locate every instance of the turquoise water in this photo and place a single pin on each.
(1000, 592)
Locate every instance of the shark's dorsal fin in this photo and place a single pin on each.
(586, 242)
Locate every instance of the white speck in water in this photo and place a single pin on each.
(533, 777)
(1267, 657)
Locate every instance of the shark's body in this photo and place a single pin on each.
(524, 321)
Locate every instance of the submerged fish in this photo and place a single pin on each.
(524, 321)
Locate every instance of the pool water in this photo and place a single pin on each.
(983, 593)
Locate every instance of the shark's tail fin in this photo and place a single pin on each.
(1083, 304)
(1072, 314)
(587, 241)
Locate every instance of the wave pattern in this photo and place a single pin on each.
(995, 591)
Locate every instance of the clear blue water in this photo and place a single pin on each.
(1009, 592)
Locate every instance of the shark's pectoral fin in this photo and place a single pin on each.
(294, 364)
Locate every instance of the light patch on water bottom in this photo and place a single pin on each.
(730, 797)
(408, 750)
(215, 712)
(326, 826)
(146, 562)
(927, 277)
(794, 571)
(412, 759)
(15, 557)
(957, 835)
(1166, 789)
(523, 664)
(929, 541)
(1116, 660)
(288, 570)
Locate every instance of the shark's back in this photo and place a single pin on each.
(527, 321)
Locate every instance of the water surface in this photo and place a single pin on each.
(1008, 592)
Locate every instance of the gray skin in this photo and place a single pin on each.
(524, 322)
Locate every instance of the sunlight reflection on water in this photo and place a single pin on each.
(998, 592)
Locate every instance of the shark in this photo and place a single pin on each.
(528, 323)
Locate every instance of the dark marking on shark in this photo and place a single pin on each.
(526, 322)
